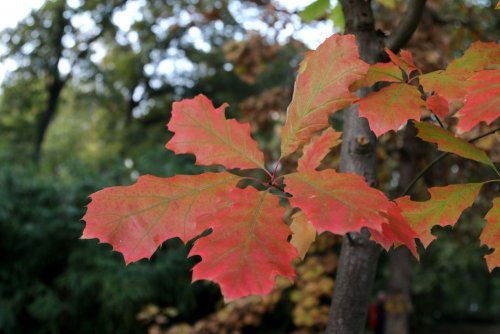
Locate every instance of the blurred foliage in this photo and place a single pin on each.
(108, 127)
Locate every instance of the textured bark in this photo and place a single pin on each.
(359, 255)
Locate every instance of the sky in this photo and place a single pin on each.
(12, 12)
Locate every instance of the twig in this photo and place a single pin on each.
(407, 25)
(439, 158)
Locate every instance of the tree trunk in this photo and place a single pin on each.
(359, 255)
(46, 117)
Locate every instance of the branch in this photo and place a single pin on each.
(437, 159)
(407, 25)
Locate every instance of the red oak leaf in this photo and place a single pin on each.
(338, 203)
(204, 131)
(388, 72)
(318, 148)
(390, 108)
(449, 85)
(477, 57)
(397, 232)
(443, 208)
(137, 219)
(452, 83)
(491, 235)
(482, 100)
(248, 247)
(438, 105)
(447, 142)
(405, 61)
(321, 88)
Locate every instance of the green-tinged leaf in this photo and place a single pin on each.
(388, 72)
(447, 142)
(303, 231)
(452, 83)
(477, 57)
(337, 17)
(491, 235)
(321, 88)
(391, 107)
(443, 208)
(391, 4)
(315, 10)
(137, 219)
(318, 148)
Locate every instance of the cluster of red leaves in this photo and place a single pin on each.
(248, 245)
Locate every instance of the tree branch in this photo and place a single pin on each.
(437, 159)
(407, 25)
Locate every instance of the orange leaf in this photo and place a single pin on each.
(390, 108)
(304, 233)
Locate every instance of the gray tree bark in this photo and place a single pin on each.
(359, 255)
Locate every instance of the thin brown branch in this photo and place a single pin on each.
(438, 159)
(407, 25)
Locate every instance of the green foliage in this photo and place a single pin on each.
(63, 286)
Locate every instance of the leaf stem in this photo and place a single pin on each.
(438, 120)
(439, 158)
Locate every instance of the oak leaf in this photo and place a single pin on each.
(491, 235)
(404, 61)
(388, 72)
(137, 219)
(438, 105)
(443, 208)
(452, 83)
(447, 142)
(338, 202)
(248, 247)
(304, 233)
(482, 100)
(318, 148)
(204, 131)
(391, 107)
(321, 88)
(397, 232)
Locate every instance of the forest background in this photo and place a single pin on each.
(84, 100)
